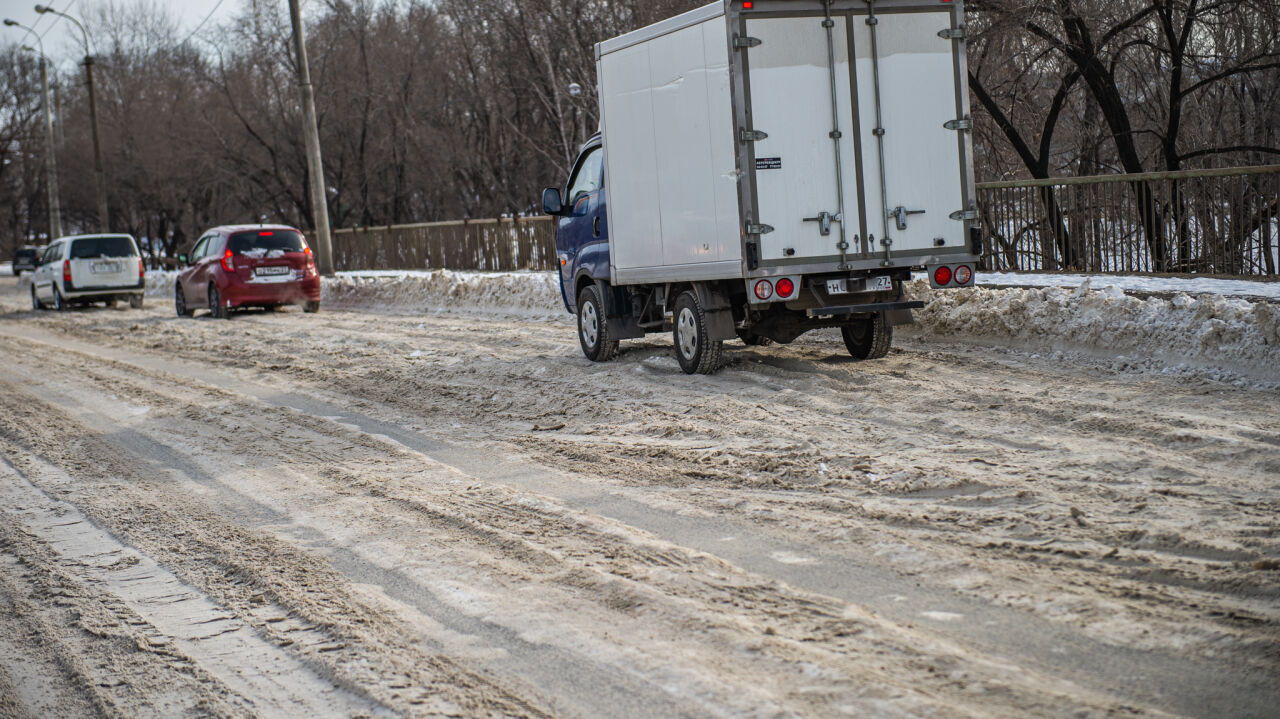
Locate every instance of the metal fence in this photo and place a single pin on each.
(522, 243)
(1221, 222)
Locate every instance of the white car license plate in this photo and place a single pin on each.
(105, 267)
(273, 270)
(878, 284)
(837, 287)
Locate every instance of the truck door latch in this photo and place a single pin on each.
(900, 213)
(751, 135)
(742, 42)
(824, 220)
(760, 229)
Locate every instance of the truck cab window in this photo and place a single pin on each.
(588, 176)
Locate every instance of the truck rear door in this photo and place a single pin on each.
(841, 163)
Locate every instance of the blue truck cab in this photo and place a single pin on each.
(582, 227)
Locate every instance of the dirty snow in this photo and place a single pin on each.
(1135, 283)
(1232, 333)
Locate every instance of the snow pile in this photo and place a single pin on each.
(6, 268)
(525, 293)
(160, 283)
(1227, 333)
(1135, 283)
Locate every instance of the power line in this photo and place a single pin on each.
(202, 22)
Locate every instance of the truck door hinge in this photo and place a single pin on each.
(742, 42)
(899, 214)
(963, 123)
(953, 33)
(760, 229)
(964, 215)
(751, 135)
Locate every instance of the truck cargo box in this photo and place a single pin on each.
(740, 141)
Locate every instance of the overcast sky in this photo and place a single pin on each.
(61, 44)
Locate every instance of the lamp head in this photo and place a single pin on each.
(42, 9)
(10, 23)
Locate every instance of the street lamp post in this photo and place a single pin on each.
(99, 174)
(50, 158)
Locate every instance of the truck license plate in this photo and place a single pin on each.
(274, 270)
(105, 267)
(837, 287)
(879, 283)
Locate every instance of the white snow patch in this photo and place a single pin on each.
(942, 616)
(1206, 331)
(524, 293)
(1135, 283)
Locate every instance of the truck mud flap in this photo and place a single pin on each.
(720, 325)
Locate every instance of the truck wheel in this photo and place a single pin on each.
(60, 303)
(868, 338)
(135, 302)
(593, 331)
(216, 307)
(695, 352)
(751, 339)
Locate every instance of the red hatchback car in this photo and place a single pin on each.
(239, 266)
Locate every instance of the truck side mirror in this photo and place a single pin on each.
(551, 203)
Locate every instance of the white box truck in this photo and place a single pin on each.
(770, 167)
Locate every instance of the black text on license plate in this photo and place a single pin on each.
(274, 270)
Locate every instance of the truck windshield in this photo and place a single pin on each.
(260, 242)
(90, 247)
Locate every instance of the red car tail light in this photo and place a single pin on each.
(963, 274)
(142, 270)
(785, 287)
(66, 271)
(942, 275)
(764, 289)
(226, 262)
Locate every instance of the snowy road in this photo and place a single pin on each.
(381, 514)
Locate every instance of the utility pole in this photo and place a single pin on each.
(50, 158)
(315, 167)
(99, 174)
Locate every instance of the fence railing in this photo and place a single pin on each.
(521, 243)
(1222, 222)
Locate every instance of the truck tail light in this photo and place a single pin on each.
(963, 274)
(66, 271)
(226, 262)
(764, 289)
(785, 287)
(942, 275)
(142, 270)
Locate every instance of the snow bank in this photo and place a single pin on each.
(6, 268)
(160, 283)
(1136, 283)
(1219, 332)
(1207, 331)
(525, 293)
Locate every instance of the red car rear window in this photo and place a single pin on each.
(263, 241)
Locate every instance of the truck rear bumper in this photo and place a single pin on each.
(856, 309)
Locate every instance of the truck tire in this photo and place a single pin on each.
(135, 302)
(751, 339)
(868, 338)
(216, 308)
(593, 330)
(60, 303)
(696, 353)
